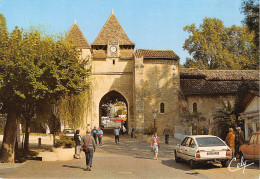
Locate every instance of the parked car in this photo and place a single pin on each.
(203, 149)
(69, 133)
(251, 150)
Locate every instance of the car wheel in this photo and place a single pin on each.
(177, 159)
(192, 164)
(225, 163)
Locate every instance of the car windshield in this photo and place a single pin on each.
(209, 141)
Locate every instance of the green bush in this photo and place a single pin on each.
(66, 143)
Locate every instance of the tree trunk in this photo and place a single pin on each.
(27, 133)
(8, 145)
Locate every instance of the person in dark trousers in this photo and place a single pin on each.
(166, 132)
(77, 139)
(89, 141)
(205, 131)
(117, 132)
(240, 138)
(132, 131)
(94, 133)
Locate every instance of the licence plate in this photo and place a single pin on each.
(212, 153)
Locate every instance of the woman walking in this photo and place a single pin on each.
(77, 139)
(155, 145)
(100, 136)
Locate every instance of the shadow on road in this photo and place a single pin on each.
(68, 166)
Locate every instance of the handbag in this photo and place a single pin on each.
(86, 148)
(100, 136)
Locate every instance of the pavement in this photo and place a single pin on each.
(132, 158)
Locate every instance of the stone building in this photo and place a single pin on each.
(248, 106)
(206, 91)
(147, 81)
(150, 83)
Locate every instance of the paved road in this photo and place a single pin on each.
(131, 159)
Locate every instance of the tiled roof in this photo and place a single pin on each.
(127, 54)
(194, 81)
(76, 37)
(112, 32)
(155, 54)
(220, 74)
(202, 86)
(99, 54)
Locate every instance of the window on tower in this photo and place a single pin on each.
(162, 107)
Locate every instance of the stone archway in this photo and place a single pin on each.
(113, 97)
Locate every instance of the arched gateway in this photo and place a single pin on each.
(143, 79)
(113, 109)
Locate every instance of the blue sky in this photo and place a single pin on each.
(150, 24)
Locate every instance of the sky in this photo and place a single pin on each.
(150, 24)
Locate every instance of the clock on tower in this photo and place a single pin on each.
(113, 49)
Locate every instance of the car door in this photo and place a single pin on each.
(257, 146)
(181, 149)
(192, 149)
(250, 148)
(186, 149)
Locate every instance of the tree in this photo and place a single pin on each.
(33, 69)
(193, 119)
(214, 46)
(250, 8)
(225, 118)
(72, 109)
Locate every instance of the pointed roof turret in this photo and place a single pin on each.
(76, 37)
(112, 31)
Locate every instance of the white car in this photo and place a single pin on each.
(203, 148)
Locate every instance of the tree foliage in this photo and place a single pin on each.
(72, 109)
(33, 69)
(250, 8)
(214, 46)
(225, 118)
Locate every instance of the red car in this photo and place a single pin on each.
(250, 150)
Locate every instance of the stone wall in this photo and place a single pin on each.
(161, 85)
(206, 105)
(108, 76)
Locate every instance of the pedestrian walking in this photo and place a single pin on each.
(94, 133)
(230, 140)
(77, 139)
(88, 127)
(155, 145)
(116, 133)
(205, 131)
(240, 138)
(132, 131)
(100, 136)
(166, 132)
(89, 146)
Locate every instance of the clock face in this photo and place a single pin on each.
(113, 48)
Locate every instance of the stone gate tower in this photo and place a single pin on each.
(146, 80)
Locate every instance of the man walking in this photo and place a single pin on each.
(90, 143)
(132, 131)
(117, 132)
(230, 140)
(240, 137)
(94, 133)
(166, 132)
